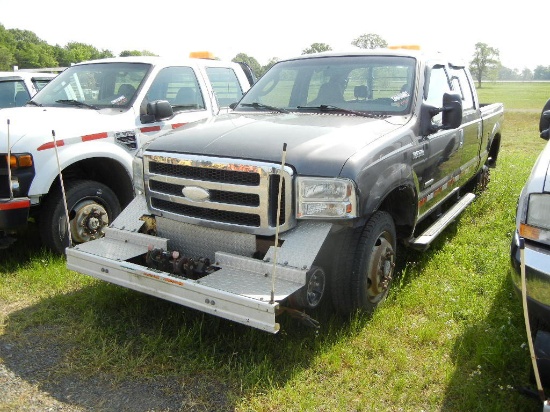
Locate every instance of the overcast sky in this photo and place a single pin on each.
(283, 28)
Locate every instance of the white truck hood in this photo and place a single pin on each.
(30, 127)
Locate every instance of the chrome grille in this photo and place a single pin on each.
(235, 194)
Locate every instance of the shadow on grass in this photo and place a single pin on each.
(107, 348)
(26, 247)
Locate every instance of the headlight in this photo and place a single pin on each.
(137, 173)
(537, 222)
(319, 197)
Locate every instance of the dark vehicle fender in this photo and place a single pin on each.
(394, 191)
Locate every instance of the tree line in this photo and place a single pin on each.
(25, 50)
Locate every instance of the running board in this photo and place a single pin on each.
(423, 241)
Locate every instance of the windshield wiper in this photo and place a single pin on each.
(260, 106)
(330, 108)
(33, 103)
(77, 103)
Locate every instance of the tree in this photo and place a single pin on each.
(79, 52)
(270, 63)
(126, 53)
(251, 61)
(370, 41)
(485, 60)
(317, 48)
(526, 74)
(541, 73)
(7, 60)
(506, 73)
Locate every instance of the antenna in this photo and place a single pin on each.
(62, 189)
(277, 224)
(9, 162)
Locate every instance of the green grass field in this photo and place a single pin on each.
(450, 337)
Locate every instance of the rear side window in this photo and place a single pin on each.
(40, 83)
(225, 84)
(462, 86)
(13, 94)
(179, 86)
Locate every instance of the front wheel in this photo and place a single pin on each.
(91, 208)
(364, 281)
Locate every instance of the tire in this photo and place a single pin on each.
(363, 280)
(482, 180)
(92, 206)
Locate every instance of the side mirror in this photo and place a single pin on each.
(452, 110)
(157, 110)
(451, 117)
(544, 123)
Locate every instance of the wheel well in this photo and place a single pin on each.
(102, 170)
(401, 204)
(493, 151)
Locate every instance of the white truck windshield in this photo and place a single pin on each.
(95, 85)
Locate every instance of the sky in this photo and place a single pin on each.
(283, 28)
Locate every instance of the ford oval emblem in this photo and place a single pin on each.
(196, 194)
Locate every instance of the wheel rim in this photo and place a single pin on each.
(381, 268)
(315, 288)
(89, 221)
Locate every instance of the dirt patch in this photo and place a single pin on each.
(29, 381)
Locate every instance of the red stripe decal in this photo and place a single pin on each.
(150, 129)
(95, 136)
(16, 205)
(176, 125)
(50, 145)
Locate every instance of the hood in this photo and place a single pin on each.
(539, 180)
(317, 144)
(36, 124)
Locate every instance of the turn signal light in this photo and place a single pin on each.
(20, 161)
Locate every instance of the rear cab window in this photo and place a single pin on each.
(226, 85)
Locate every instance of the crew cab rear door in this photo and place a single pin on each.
(437, 160)
(471, 122)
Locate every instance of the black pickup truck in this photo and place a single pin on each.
(303, 191)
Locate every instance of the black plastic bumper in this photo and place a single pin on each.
(14, 214)
(537, 275)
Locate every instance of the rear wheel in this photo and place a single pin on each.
(363, 281)
(92, 206)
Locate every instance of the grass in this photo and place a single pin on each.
(450, 336)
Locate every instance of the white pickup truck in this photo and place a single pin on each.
(16, 88)
(82, 130)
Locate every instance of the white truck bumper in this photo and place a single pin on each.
(241, 290)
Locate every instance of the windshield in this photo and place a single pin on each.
(374, 84)
(96, 85)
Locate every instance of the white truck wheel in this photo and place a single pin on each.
(91, 206)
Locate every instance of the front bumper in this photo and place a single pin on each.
(537, 277)
(14, 214)
(244, 290)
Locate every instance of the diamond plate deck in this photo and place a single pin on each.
(198, 241)
(129, 218)
(253, 278)
(301, 245)
(121, 245)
